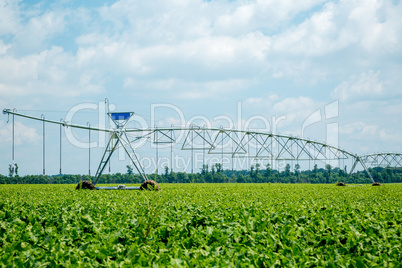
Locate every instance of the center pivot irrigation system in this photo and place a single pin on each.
(118, 138)
(236, 143)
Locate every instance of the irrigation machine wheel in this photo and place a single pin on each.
(85, 185)
(150, 185)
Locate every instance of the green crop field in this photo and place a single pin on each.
(221, 225)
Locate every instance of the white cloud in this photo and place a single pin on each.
(315, 36)
(22, 133)
(214, 89)
(35, 34)
(366, 137)
(295, 105)
(392, 109)
(3, 47)
(371, 25)
(219, 41)
(9, 17)
(51, 72)
(378, 24)
(264, 52)
(186, 90)
(358, 128)
(210, 56)
(395, 138)
(291, 113)
(365, 86)
(262, 101)
(17, 70)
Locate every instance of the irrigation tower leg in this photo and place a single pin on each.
(363, 165)
(122, 140)
(110, 147)
(125, 142)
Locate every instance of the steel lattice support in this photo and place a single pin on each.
(237, 143)
(119, 138)
(386, 160)
(359, 160)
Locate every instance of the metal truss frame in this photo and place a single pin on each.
(238, 142)
(386, 160)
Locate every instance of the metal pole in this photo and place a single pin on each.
(232, 145)
(60, 147)
(277, 157)
(203, 149)
(157, 150)
(272, 154)
(44, 148)
(297, 157)
(107, 120)
(89, 149)
(171, 151)
(13, 142)
(222, 153)
(291, 156)
(256, 153)
(343, 164)
(192, 148)
(248, 152)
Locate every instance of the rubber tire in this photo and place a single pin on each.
(150, 185)
(85, 185)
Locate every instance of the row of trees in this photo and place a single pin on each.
(215, 174)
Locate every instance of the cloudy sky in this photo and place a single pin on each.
(289, 62)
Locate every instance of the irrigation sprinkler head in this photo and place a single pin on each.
(120, 118)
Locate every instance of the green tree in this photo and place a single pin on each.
(268, 170)
(328, 171)
(218, 167)
(208, 178)
(172, 177)
(182, 177)
(257, 167)
(241, 179)
(218, 177)
(315, 171)
(252, 175)
(297, 170)
(287, 170)
(16, 169)
(129, 170)
(11, 170)
(204, 169)
(166, 171)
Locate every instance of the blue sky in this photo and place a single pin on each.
(207, 58)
